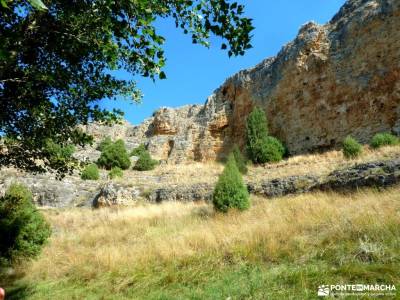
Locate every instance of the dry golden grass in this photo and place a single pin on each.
(196, 172)
(170, 175)
(87, 243)
(320, 163)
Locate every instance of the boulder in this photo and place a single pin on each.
(112, 194)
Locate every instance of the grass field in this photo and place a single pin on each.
(279, 249)
(318, 164)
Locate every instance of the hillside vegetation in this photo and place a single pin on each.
(278, 249)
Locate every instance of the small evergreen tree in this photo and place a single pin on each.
(91, 172)
(351, 148)
(270, 150)
(384, 139)
(138, 150)
(145, 162)
(256, 130)
(241, 161)
(115, 172)
(261, 147)
(230, 191)
(104, 143)
(23, 229)
(114, 155)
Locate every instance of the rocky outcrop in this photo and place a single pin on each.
(333, 80)
(112, 195)
(373, 174)
(184, 193)
(48, 191)
(71, 191)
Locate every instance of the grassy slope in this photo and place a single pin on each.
(308, 164)
(280, 249)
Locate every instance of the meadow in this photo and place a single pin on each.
(279, 249)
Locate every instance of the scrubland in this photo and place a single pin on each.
(278, 249)
(319, 164)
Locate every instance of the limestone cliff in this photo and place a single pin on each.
(333, 80)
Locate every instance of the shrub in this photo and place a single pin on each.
(230, 191)
(384, 139)
(104, 143)
(23, 229)
(241, 161)
(261, 147)
(91, 172)
(256, 130)
(145, 162)
(268, 149)
(115, 172)
(114, 155)
(351, 148)
(58, 155)
(138, 150)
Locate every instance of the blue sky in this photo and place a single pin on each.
(194, 72)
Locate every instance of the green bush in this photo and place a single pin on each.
(351, 148)
(268, 149)
(384, 139)
(114, 155)
(145, 162)
(230, 191)
(256, 130)
(138, 150)
(91, 172)
(115, 172)
(261, 147)
(241, 161)
(58, 155)
(23, 229)
(104, 143)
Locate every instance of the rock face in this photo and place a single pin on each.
(115, 195)
(371, 174)
(333, 80)
(48, 191)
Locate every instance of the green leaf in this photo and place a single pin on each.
(162, 75)
(38, 4)
(3, 3)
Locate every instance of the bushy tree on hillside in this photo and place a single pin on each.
(145, 162)
(114, 155)
(23, 229)
(241, 161)
(256, 128)
(104, 143)
(56, 57)
(230, 191)
(90, 172)
(384, 139)
(269, 149)
(351, 148)
(261, 147)
(59, 157)
(138, 150)
(115, 172)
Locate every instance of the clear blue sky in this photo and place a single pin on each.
(194, 72)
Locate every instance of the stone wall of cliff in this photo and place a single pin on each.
(333, 80)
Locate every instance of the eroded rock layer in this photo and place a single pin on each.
(333, 80)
